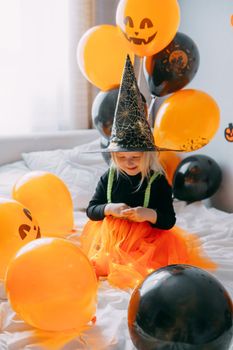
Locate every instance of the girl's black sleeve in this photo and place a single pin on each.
(161, 200)
(96, 206)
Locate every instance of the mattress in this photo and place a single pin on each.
(214, 227)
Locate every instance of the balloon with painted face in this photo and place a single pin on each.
(196, 178)
(148, 26)
(172, 68)
(48, 197)
(18, 227)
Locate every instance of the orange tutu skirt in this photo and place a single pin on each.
(126, 252)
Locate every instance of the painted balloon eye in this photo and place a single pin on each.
(27, 213)
(128, 21)
(146, 22)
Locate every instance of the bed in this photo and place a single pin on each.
(62, 154)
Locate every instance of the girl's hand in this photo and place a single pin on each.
(140, 214)
(116, 209)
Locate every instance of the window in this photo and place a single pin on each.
(41, 88)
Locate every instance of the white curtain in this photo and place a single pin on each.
(41, 88)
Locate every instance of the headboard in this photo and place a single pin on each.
(11, 147)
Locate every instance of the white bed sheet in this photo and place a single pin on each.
(215, 229)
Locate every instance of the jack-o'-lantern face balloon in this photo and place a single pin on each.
(25, 229)
(148, 25)
(18, 227)
(49, 199)
(229, 133)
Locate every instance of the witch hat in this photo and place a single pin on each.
(131, 131)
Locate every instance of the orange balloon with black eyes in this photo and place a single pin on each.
(48, 197)
(17, 227)
(149, 25)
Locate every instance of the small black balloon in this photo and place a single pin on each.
(196, 177)
(106, 155)
(180, 307)
(172, 68)
(103, 110)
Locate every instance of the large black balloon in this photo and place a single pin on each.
(172, 68)
(103, 110)
(196, 177)
(180, 307)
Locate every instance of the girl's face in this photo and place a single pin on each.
(129, 162)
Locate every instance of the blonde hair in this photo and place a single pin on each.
(149, 161)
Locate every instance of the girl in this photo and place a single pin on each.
(131, 229)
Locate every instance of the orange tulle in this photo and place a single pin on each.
(125, 251)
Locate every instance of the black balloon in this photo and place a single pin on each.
(172, 68)
(196, 177)
(106, 155)
(103, 110)
(180, 307)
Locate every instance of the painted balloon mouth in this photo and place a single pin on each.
(140, 41)
(25, 229)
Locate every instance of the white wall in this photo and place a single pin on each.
(208, 23)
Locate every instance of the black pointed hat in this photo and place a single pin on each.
(131, 131)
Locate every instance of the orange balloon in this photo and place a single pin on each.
(17, 227)
(47, 196)
(52, 285)
(186, 121)
(169, 161)
(148, 26)
(101, 56)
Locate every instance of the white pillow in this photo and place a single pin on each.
(9, 174)
(79, 170)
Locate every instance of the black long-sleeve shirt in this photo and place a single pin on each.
(124, 190)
